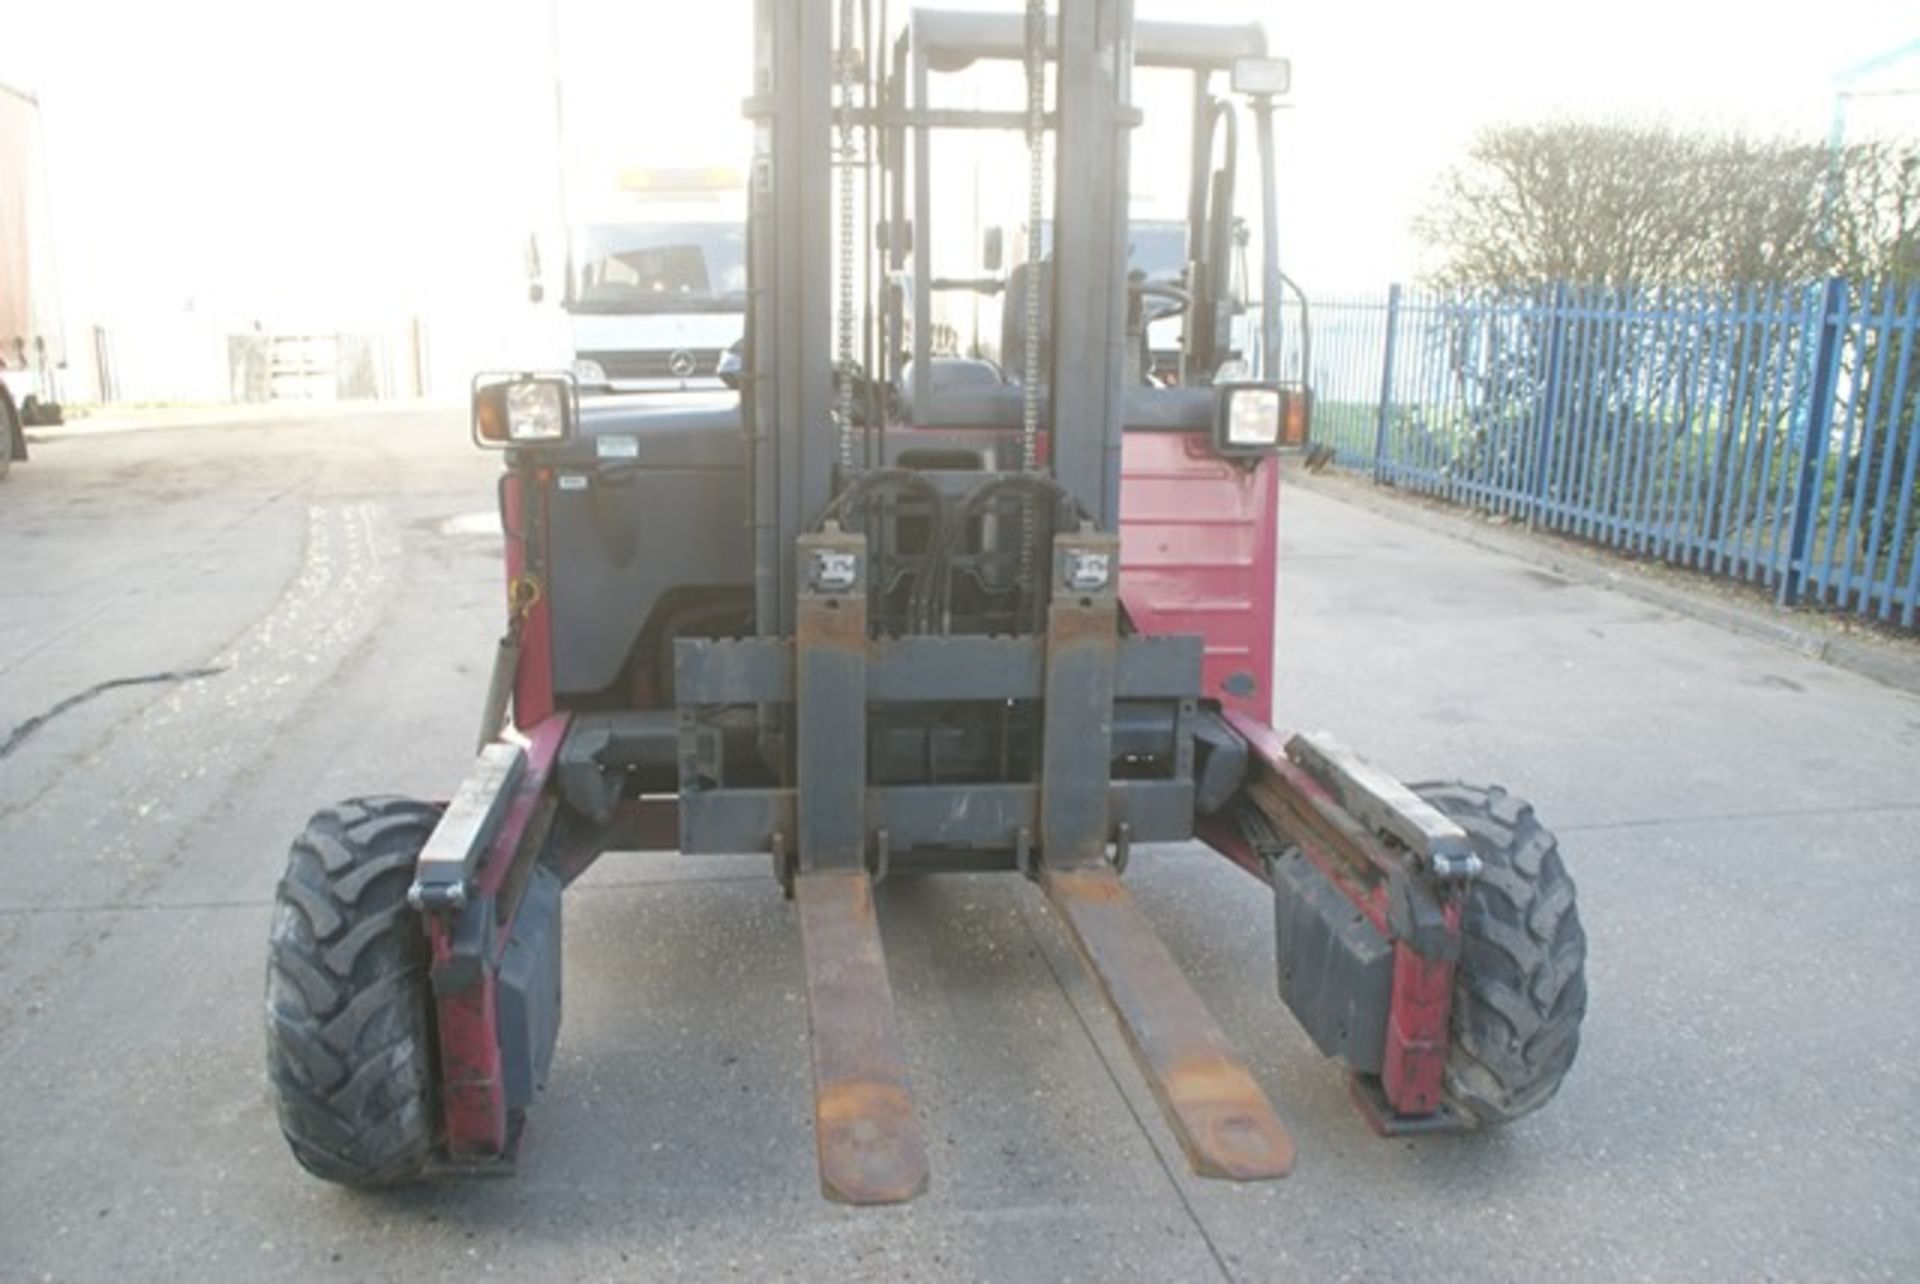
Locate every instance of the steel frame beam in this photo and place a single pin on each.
(788, 384)
(1083, 629)
(988, 817)
(718, 671)
(830, 706)
(1091, 155)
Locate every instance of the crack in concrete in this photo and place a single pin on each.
(22, 730)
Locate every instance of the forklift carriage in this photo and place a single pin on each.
(900, 611)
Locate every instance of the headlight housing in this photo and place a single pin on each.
(1262, 77)
(1259, 418)
(1246, 418)
(524, 409)
(732, 362)
(589, 373)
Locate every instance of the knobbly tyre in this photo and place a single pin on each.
(1046, 591)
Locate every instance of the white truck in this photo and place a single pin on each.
(30, 354)
(651, 284)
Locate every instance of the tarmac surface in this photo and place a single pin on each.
(1743, 823)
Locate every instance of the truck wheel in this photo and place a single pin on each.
(13, 439)
(40, 414)
(350, 1045)
(1520, 989)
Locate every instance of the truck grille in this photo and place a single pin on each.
(655, 363)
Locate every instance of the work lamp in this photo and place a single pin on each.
(1247, 418)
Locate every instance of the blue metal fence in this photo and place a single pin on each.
(1767, 434)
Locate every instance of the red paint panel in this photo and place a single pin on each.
(1416, 1060)
(533, 682)
(472, 1084)
(543, 746)
(473, 1098)
(472, 1089)
(1199, 552)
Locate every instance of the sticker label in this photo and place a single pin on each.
(573, 481)
(617, 447)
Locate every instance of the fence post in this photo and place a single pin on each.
(1385, 411)
(1814, 431)
(1549, 397)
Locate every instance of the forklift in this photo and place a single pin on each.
(895, 611)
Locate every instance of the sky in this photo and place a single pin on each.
(311, 164)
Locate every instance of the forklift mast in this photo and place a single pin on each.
(803, 140)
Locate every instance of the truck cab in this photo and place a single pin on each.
(650, 286)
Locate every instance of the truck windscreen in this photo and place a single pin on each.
(660, 267)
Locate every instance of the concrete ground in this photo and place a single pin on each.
(1741, 820)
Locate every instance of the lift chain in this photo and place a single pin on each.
(1036, 68)
(846, 368)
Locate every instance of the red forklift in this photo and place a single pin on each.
(892, 611)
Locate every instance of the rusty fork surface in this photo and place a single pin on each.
(1215, 1106)
(865, 1127)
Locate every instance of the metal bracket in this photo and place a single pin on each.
(830, 692)
(1082, 641)
(783, 862)
(472, 953)
(1387, 807)
(442, 875)
(1384, 1121)
(505, 1164)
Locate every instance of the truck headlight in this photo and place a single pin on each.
(589, 373)
(732, 362)
(520, 409)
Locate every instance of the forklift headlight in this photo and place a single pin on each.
(1262, 77)
(511, 410)
(1247, 418)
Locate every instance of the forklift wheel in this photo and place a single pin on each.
(1520, 989)
(349, 1040)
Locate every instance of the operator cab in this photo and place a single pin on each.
(1205, 299)
(950, 276)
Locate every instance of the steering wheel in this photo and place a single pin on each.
(1172, 300)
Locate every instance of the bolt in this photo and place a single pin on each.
(1455, 867)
